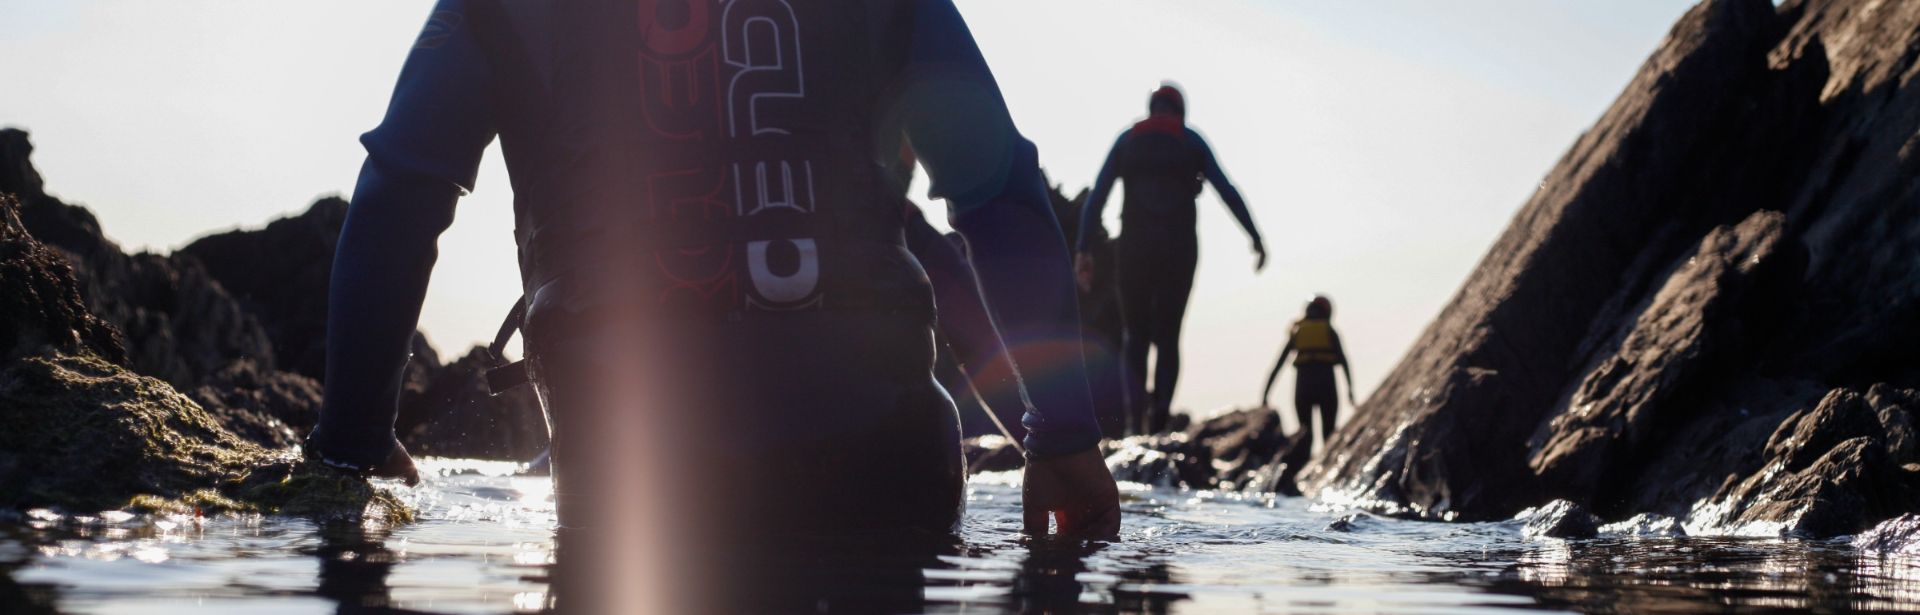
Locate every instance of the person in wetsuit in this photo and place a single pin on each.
(1316, 349)
(723, 322)
(1163, 163)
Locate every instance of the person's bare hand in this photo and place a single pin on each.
(398, 465)
(1260, 257)
(1077, 491)
(1083, 271)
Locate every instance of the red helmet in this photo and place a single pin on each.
(1170, 98)
(1320, 307)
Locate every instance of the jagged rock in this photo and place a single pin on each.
(269, 407)
(1648, 336)
(180, 325)
(1646, 525)
(40, 308)
(1897, 536)
(1617, 404)
(460, 419)
(281, 273)
(84, 434)
(1559, 519)
(1833, 470)
(1227, 451)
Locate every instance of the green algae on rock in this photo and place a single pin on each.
(85, 434)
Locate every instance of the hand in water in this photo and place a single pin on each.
(399, 464)
(1083, 271)
(1077, 490)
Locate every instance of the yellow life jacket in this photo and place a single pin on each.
(1313, 343)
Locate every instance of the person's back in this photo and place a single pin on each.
(1163, 164)
(724, 323)
(1316, 351)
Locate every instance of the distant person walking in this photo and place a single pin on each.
(1163, 163)
(1316, 349)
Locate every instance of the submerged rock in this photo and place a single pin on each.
(1646, 525)
(1234, 450)
(1682, 319)
(1559, 519)
(1897, 536)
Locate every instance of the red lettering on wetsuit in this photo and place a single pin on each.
(725, 86)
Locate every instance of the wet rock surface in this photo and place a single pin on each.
(1708, 310)
(1559, 519)
(83, 433)
(237, 320)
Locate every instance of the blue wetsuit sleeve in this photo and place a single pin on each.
(1228, 193)
(1102, 188)
(954, 115)
(419, 160)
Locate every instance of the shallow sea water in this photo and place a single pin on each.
(485, 545)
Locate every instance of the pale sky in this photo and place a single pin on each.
(1381, 144)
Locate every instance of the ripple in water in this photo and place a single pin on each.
(485, 545)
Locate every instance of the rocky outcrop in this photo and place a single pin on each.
(280, 274)
(238, 321)
(456, 417)
(1681, 321)
(1239, 449)
(84, 434)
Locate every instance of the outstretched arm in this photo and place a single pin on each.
(1097, 199)
(1274, 376)
(1231, 195)
(959, 124)
(419, 160)
(1346, 369)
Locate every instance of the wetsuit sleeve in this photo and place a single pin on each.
(1097, 199)
(420, 159)
(1228, 193)
(958, 122)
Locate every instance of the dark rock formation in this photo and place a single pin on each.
(238, 320)
(85, 434)
(1233, 450)
(1680, 319)
(280, 274)
(40, 308)
(1559, 519)
(456, 417)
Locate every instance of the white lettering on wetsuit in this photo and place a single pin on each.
(728, 94)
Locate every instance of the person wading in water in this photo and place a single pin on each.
(1163, 163)
(1316, 349)
(721, 317)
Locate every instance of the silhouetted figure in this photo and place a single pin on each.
(1316, 349)
(1164, 164)
(724, 323)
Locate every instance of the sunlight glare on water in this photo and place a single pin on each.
(485, 544)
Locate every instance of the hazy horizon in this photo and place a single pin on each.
(1381, 147)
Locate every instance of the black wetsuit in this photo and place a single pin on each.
(1163, 163)
(717, 278)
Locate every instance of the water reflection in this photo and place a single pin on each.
(488, 545)
(354, 566)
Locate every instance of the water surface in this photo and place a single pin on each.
(485, 545)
